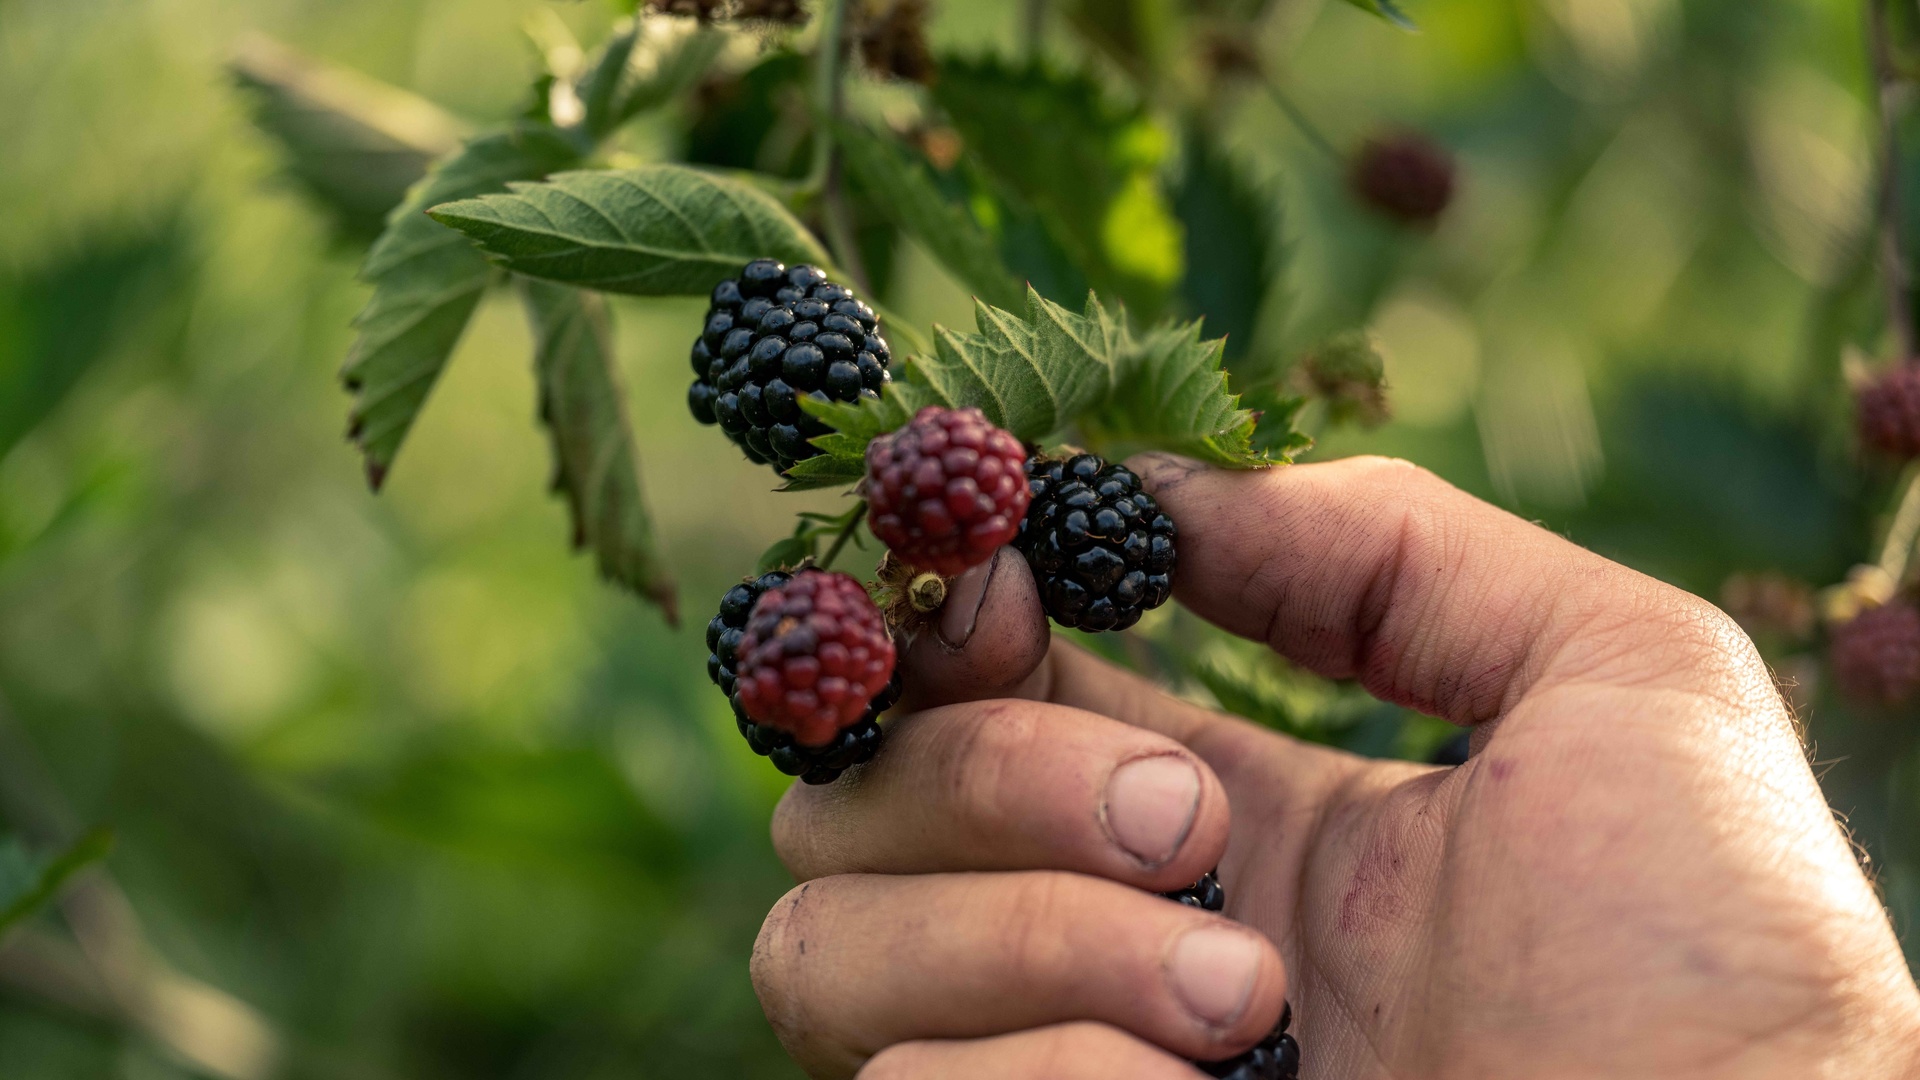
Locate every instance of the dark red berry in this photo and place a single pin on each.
(947, 489)
(893, 42)
(1889, 410)
(1406, 176)
(815, 653)
(1876, 654)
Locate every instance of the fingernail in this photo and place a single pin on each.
(965, 595)
(1213, 970)
(1151, 803)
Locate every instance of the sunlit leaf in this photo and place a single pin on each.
(355, 144)
(1171, 394)
(426, 282)
(596, 464)
(645, 66)
(903, 189)
(658, 230)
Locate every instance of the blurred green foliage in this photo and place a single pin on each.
(400, 790)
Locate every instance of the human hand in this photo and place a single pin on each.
(1635, 875)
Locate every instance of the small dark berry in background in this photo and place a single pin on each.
(1101, 550)
(946, 490)
(854, 745)
(1889, 413)
(1876, 655)
(779, 11)
(815, 653)
(1407, 177)
(893, 41)
(774, 335)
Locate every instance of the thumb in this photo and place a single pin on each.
(989, 640)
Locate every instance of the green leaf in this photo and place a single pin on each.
(645, 66)
(596, 464)
(811, 529)
(1388, 10)
(1232, 230)
(28, 884)
(426, 283)
(658, 230)
(1054, 373)
(1172, 395)
(355, 144)
(1086, 165)
(903, 189)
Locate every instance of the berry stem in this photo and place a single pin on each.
(1893, 257)
(1303, 123)
(846, 534)
(828, 94)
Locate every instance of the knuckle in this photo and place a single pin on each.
(980, 767)
(1036, 946)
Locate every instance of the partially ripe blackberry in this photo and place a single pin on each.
(1205, 894)
(946, 490)
(1101, 550)
(854, 745)
(815, 653)
(776, 334)
(1406, 176)
(1889, 413)
(1277, 1057)
(1876, 654)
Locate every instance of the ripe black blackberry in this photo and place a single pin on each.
(776, 334)
(1101, 550)
(1205, 894)
(814, 765)
(1277, 1057)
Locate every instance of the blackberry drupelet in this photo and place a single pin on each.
(814, 765)
(776, 334)
(1277, 1057)
(1101, 550)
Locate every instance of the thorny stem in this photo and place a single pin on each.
(1300, 121)
(1893, 256)
(1896, 552)
(846, 534)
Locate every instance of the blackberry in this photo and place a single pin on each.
(776, 334)
(1205, 894)
(947, 489)
(1099, 546)
(815, 653)
(1277, 1057)
(1876, 654)
(814, 765)
(1889, 413)
(1406, 176)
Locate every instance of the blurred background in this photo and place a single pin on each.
(400, 790)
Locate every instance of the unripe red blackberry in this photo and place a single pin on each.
(1876, 654)
(812, 764)
(774, 335)
(1889, 413)
(815, 653)
(947, 489)
(1406, 176)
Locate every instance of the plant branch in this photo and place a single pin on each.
(1893, 256)
(828, 92)
(846, 534)
(1301, 121)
